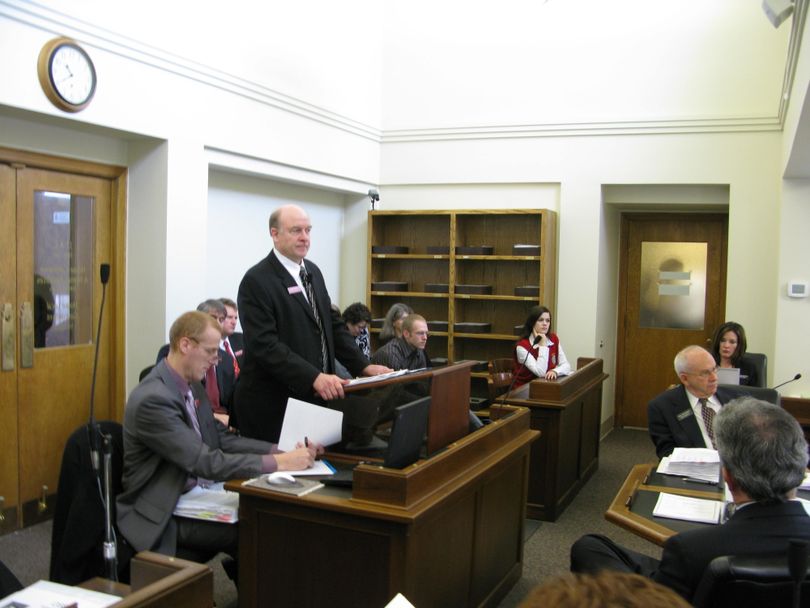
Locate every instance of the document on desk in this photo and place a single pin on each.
(313, 422)
(56, 595)
(672, 506)
(694, 463)
(381, 377)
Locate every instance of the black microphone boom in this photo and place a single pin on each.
(522, 365)
(793, 379)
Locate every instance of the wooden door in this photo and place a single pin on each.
(58, 234)
(671, 294)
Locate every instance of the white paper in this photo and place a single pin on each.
(694, 463)
(305, 420)
(319, 468)
(378, 378)
(213, 503)
(672, 506)
(399, 601)
(45, 594)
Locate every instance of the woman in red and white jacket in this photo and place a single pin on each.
(538, 353)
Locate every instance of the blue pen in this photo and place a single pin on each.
(329, 464)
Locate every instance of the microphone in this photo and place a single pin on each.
(104, 275)
(522, 365)
(793, 379)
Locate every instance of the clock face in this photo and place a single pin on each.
(72, 74)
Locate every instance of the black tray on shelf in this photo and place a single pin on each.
(389, 249)
(389, 286)
(472, 328)
(475, 250)
(474, 289)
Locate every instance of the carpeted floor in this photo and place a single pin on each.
(27, 552)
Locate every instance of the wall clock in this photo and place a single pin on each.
(67, 74)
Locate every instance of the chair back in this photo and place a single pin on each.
(79, 516)
(500, 376)
(759, 361)
(766, 394)
(739, 581)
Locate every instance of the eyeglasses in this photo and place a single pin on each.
(704, 373)
(211, 352)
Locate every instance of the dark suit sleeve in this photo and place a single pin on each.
(263, 310)
(344, 347)
(674, 570)
(660, 431)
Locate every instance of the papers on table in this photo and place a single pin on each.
(381, 377)
(399, 601)
(321, 467)
(701, 510)
(695, 463)
(318, 424)
(805, 485)
(55, 595)
(213, 503)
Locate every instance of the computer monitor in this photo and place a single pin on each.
(407, 433)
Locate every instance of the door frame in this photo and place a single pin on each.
(621, 312)
(118, 176)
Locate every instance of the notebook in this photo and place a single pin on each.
(728, 375)
(404, 445)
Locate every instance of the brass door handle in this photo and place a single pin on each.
(27, 335)
(8, 331)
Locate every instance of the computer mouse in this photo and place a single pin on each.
(280, 479)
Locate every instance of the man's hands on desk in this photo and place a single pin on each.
(330, 386)
(302, 457)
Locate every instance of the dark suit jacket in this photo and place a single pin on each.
(161, 449)
(237, 340)
(672, 422)
(756, 528)
(282, 345)
(226, 377)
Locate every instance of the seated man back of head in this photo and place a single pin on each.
(677, 417)
(763, 455)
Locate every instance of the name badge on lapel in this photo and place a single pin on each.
(684, 415)
(294, 289)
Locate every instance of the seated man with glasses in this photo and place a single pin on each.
(682, 417)
(407, 351)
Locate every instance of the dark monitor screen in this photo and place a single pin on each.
(407, 433)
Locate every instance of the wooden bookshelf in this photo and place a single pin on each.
(501, 270)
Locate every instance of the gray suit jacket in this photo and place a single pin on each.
(161, 449)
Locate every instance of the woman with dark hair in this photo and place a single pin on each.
(538, 353)
(357, 317)
(729, 346)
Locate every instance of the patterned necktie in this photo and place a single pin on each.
(191, 409)
(708, 419)
(306, 281)
(235, 364)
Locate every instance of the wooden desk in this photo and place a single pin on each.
(643, 487)
(799, 408)
(446, 531)
(160, 581)
(568, 413)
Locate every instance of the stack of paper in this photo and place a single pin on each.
(695, 463)
(54, 595)
(672, 506)
(212, 504)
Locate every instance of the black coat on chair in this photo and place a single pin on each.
(79, 518)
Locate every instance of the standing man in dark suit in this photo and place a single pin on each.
(292, 336)
(764, 456)
(677, 417)
(172, 443)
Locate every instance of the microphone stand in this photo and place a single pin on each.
(522, 365)
(103, 476)
(793, 379)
